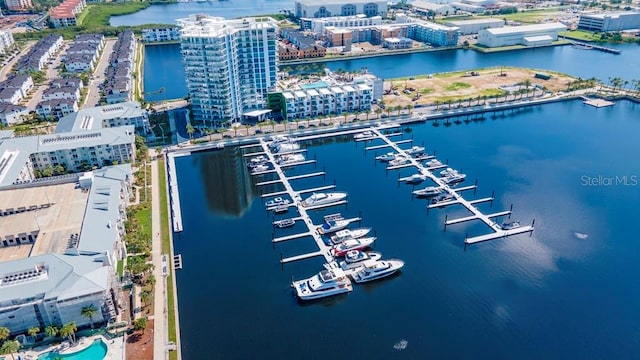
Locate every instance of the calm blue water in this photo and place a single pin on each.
(95, 351)
(163, 68)
(569, 291)
(168, 13)
(165, 60)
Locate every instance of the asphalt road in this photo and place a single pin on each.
(51, 73)
(93, 96)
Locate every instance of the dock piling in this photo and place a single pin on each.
(492, 198)
(510, 211)
(446, 217)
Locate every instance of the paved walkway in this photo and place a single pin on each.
(161, 337)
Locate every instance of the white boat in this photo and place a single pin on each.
(415, 150)
(373, 270)
(285, 147)
(356, 258)
(323, 198)
(351, 244)
(415, 179)
(259, 168)
(510, 224)
(399, 160)
(333, 225)
(364, 135)
(290, 159)
(284, 223)
(448, 172)
(342, 235)
(442, 198)
(454, 178)
(429, 191)
(386, 157)
(433, 163)
(328, 282)
(261, 159)
(277, 201)
(278, 139)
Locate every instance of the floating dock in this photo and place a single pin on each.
(497, 233)
(597, 103)
(323, 249)
(174, 194)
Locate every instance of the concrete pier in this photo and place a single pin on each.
(174, 198)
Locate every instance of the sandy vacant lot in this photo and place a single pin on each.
(462, 85)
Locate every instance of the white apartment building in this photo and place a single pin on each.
(160, 34)
(230, 65)
(6, 40)
(325, 99)
(108, 116)
(18, 5)
(19, 157)
(11, 114)
(317, 25)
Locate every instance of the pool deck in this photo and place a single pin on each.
(115, 348)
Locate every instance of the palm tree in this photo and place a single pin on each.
(247, 127)
(437, 104)
(33, 331)
(378, 111)
(368, 112)
(409, 107)
(9, 347)
(145, 296)
(4, 332)
(449, 103)
(345, 114)
(190, 130)
(69, 331)
(89, 312)
(51, 330)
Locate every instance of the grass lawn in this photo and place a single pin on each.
(120, 268)
(581, 35)
(143, 216)
(457, 86)
(166, 249)
(425, 91)
(491, 92)
(96, 16)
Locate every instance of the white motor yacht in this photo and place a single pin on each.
(442, 198)
(454, 178)
(258, 160)
(323, 198)
(373, 270)
(356, 258)
(510, 224)
(448, 172)
(277, 201)
(342, 235)
(429, 191)
(386, 157)
(364, 135)
(415, 150)
(259, 168)
(415, 179)
(284, 223)
(352, 244)
(399, 160)
(433, 163)
(331, 281)
(290, 159)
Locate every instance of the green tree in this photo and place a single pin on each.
(378, 111)
(69, 331)
(33, 331)
(9, 347)
(190, 130)
(145, 296)
(51, 331)
(89, 312)
(4, 332)
(140, 324)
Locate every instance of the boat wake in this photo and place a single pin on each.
(401, 345)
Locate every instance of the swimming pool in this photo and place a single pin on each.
(95, 351)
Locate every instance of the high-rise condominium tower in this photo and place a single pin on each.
(230, 65)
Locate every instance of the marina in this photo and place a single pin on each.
(444, 297)
(454, 194)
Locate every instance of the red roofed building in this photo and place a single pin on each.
(64, 14)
